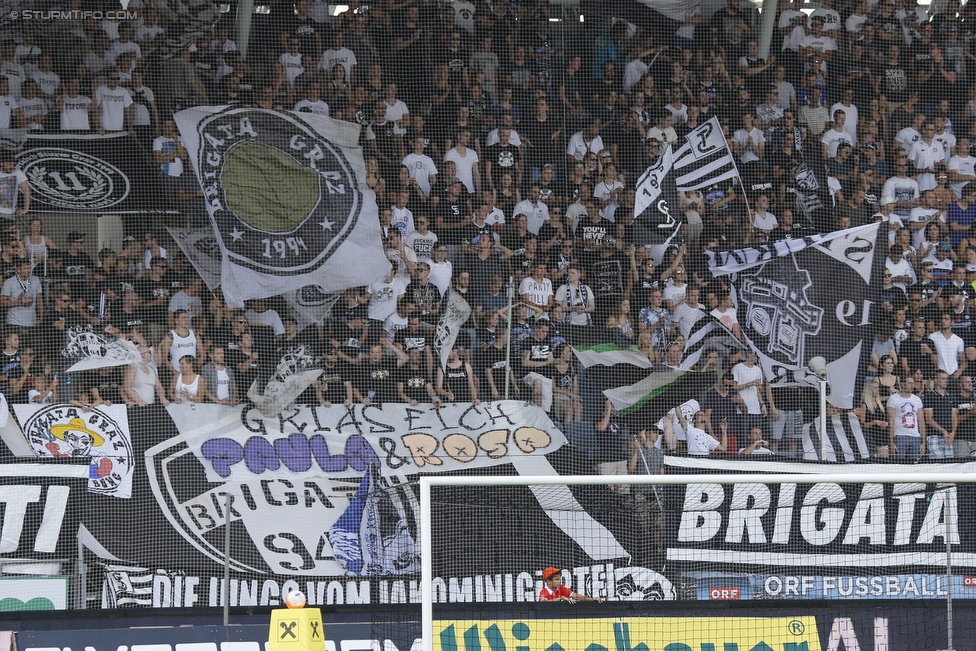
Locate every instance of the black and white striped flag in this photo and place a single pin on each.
(656, 211)
(705, 159)
(845, 439)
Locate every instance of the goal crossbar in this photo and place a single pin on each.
(427, 482)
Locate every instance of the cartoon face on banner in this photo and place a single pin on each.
(100, 435)
(642, 584)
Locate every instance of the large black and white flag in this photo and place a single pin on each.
(287, 198)
(790, 308)
(313, 303)
(704, 159)
(91, 173)
(455, 311)
(85, 349)
(656, 213)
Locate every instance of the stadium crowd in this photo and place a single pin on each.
(501, 144)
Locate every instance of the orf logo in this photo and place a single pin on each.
(283, 198)
(73, 180)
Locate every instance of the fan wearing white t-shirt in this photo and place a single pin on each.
(465, 161)
(113, 106)
(422, 169)
(906, 426)
(312, 102)
(74, 108)
(290, 65)
(338, 54)
(962, 167)
(536, 292)
(700, 442)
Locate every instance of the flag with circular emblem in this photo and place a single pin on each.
(287, 199)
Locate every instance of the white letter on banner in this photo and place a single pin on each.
(868, 519)
(15, 500)
(906, 494)
(55, 505)
(749, 503)
(832, 519)
(701, 519)
(940, 516)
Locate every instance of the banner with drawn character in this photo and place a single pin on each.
(101, 435)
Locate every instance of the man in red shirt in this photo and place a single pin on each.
(554, 590)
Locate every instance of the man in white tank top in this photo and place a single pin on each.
(180, 340)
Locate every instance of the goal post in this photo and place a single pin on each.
(935, 543)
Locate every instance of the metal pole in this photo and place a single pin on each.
(767, 26)
(510, 291)
(426, 570)
(948, 543)
(823, 419)
(245, 12)
(226, 559)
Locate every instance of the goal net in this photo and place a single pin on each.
(891, 538)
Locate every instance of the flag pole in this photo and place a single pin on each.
(738, 175)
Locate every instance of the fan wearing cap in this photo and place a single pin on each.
(554, 590)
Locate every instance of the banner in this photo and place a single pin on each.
(870, 627)
(339, 442)
(622, 633)
(810, 195)
(85, 349)
(824, 525)
(100, 435)
(91, 173)
(287, 198)
(42, 504)
(721, 586)
(455, 311)
(789, 308)
(201, 248)
(296, 367)
(360, 544)
(673, 10)
(845, 440)
(294, 476)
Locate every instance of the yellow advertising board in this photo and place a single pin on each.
(296, 629)
(630, 634)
